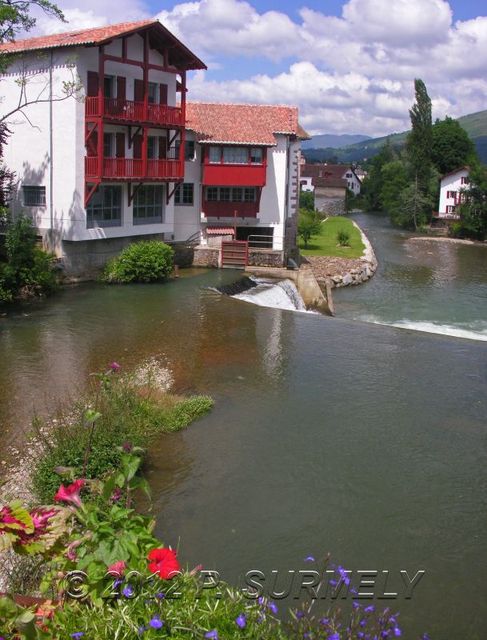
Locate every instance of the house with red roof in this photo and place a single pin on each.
(330, 182)
(128, 157)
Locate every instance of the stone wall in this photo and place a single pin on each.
(266, 258)
(206, 257)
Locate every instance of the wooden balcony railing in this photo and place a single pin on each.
(219, 209)
(121, 110)
(133, 168)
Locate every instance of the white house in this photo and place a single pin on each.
(128, 158)
(451, 193)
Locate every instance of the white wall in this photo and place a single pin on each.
(451, 182)
(187, 218)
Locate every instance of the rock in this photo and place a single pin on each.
(347, 279)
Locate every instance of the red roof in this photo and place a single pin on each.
(220, 231)
(241, 123)
(103, 35)
(326, 175)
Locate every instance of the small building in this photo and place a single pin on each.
(330, 183)
(452, 186)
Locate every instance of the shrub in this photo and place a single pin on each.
(148, 261)
(343, 238)
(28, 269)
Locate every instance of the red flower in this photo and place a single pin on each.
(117, 568)
(70, 493)
(114, 366)
(164, 562)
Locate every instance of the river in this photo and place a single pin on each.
(336, 435)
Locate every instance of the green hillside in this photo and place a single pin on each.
(475, 124)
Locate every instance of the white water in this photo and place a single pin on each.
(473, 331)
(278, 295)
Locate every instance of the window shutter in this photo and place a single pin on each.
(138, 90)
(120, 145)
(93, 84)
(138, 146)
(92, 144)
(163, 94)
(121, 87)
(162, 147)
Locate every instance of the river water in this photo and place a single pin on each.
(329, 435)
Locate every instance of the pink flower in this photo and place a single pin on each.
(117, 568)
(70, 493)
(114, 366)
(164, 562)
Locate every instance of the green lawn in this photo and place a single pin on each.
(326, 243)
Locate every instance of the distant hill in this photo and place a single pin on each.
(333, 141)
(475, 124)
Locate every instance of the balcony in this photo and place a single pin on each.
(133, 169)
(219, 209)
(119, 110)
(235, 175)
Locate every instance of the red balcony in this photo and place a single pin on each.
(235, 175)
(129, 111)
(218, 209)
(133, 169)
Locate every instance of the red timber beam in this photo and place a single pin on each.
(89, 191)
(131, 192)
(145, 130)
(101, 107)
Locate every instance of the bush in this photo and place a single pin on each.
(343, 238)
(28, 270)
(148, 261)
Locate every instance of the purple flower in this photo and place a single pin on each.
(369, 609)
(114, 366)
(77, 635)
(156, 622)
(241, 621)
(425, 636)
(397, 632)
(334, 636)
(261, 600)
(160, 595)
(127, 591)
(273, 607)
(299, 614)
(141, 630)
(309, 559)
(343, 575)
(213, 634)
(355, 604)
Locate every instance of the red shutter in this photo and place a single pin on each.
(92, 144)
(93, 84)
(138, 146)
(163, 94)
(162, 147)
(120, 145)
(121, 87)
(139, 91)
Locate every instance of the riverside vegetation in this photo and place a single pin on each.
(102, 572)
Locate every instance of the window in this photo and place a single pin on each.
(349, 175)
(215, 155)
(152, 95)
(256, 155)
(108, 85)
(464, 180)
(151, 147)
(235, 155)
(108, 145)
(237, 194)
(212, 194)
(105, 208)
(450, 208)
(148, 204)
(249, 194)
(184, 194)
(34, 196)
(189, 150)
(225, 194)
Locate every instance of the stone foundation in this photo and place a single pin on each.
(266, 258)
(206, 257)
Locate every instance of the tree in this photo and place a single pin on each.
(7, 178)
(394, 178)
(412, 209)
(451, 146)
(473, 212)
(309, 224)
(15, 16)
(420, 138)
(307, 200)
(372, 185)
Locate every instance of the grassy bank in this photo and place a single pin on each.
(326, 243)
(117, 410)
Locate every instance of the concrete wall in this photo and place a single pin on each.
(187, 218)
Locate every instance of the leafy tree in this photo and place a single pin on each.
(309, 224)
(473, 211)
(451, 146)
(15, 16)
(307, 200)
(6, 178)
(394, 178)
(420, 138)
(413, 207)
(372, 185)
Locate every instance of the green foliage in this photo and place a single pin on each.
(343, 238)
(307, 200)
(28, 270)
(325, 244)
(419, 140)
(15, 17)
(451, 146)
(309, 224)
(148, 261)
(413, 208)
(374, 182)
(394, 180)
(127, 414)
(473, 211)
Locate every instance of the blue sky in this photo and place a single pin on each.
(349, 65)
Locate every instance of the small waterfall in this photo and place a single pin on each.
(267, 293)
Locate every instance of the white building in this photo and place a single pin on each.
(107, 167)
(451, 193)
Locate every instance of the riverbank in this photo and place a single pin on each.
(448, 240)
(342, 272)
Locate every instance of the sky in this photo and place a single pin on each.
(348, 65)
